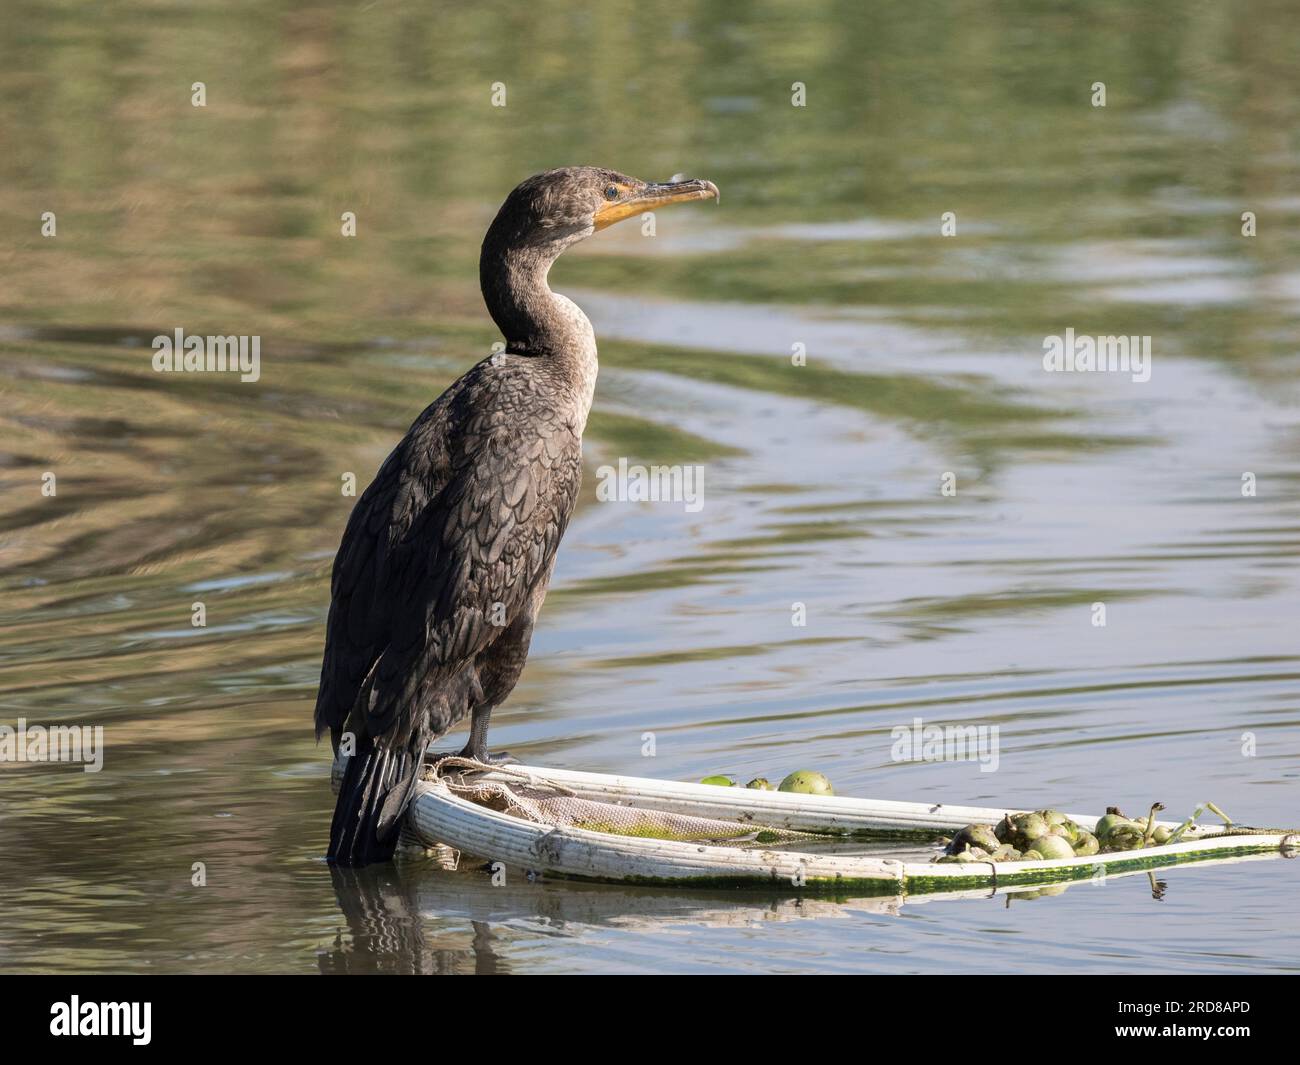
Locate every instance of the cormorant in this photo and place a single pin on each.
(446, 557)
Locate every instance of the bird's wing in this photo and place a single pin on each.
(476, 552)
(369, 562)
(433, 567)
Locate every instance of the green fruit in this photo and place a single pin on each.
(1053, 817)
(1072, 831)
(1125, 837)
(1005, 853)
(1031, 855)
(1050, 846)
(806, 782)
(720, 781)
(1107, 823)
(760, 784)
(1086, 844)
(980, 836)
(1161, 835)
(1030, 827)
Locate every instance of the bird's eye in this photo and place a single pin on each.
(611, 192)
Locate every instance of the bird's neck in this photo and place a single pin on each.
(533, 319)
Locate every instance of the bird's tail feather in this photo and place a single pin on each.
(377, 788)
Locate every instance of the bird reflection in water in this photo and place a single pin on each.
(386, 934)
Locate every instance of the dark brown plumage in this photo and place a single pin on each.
(447, 555)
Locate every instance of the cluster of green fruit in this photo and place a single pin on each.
(1049, 834)
(801, 782)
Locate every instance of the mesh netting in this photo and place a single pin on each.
(546, 803)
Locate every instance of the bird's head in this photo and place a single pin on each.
(560, 207)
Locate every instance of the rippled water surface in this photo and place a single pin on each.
(822, 481)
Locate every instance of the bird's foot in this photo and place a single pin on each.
(482, 754)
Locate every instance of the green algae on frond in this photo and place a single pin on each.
(653, 830)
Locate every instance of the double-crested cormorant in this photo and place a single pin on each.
(446, 557)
